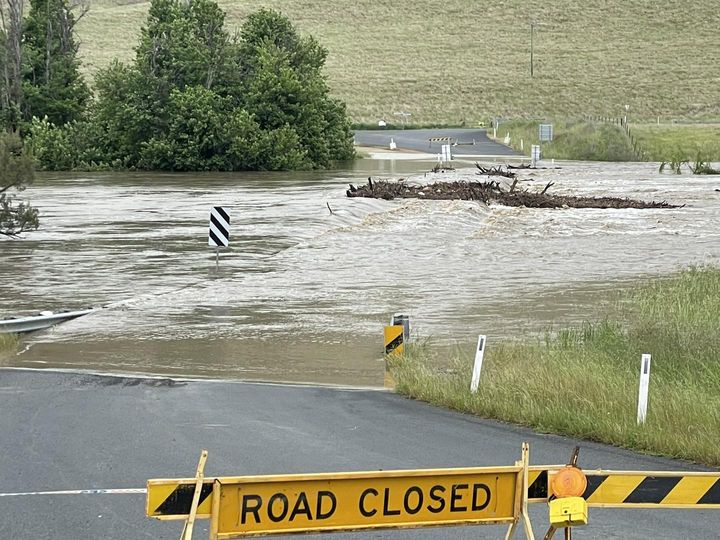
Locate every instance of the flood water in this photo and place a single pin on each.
(302, 294)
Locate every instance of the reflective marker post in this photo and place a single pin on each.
(534, 154)
(394, 346)
(219, 231)
(644, 387)
(404, 321)
(479, 354)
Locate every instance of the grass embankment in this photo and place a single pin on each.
(583, 382)
(469, 61)
(7, 342)
(678, 142)
(579, 140)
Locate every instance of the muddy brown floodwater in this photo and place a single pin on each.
(301, 294)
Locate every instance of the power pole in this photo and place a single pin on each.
(532, 49)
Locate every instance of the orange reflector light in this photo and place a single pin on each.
(568, 482)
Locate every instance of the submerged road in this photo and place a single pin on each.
(470, 142)
(61, 431)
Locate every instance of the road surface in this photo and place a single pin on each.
(63, 431)
(470, 142)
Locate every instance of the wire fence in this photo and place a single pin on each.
(621, 121)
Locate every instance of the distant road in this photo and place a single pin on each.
(64, 431)
(470, 142)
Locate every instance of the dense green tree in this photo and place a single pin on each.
(197, 99)
(11, 59)
(16, 172)
(130, 111)
(284, 86)
(39, 65)
(185, 44)
(196, 134)
(51, 82)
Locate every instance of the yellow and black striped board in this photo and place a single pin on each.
(537, 485)
(639, 489)
(394, 343)
(171, 499)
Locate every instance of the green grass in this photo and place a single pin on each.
(461, 62)
(7, 342)
(583, 381)
(666, 142)
(580, 140)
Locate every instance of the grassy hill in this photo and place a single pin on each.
(460, 61)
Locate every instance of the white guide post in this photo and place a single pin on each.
(644, 387)
(479, 353)
(446, 153)
(534, 154)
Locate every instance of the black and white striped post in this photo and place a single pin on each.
(219, 232)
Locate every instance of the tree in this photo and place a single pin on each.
(51, 82)
(16, 172)
(185, 44)
(197, 99)
(183, 47)
(196, 138)
(11, 36)
(284, 87)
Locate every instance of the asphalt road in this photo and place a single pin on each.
(73, 431)
(470, 142)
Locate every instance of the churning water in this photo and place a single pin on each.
(302, 294)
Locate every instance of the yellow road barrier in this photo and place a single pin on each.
(284, 504)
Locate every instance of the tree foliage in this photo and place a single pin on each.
(16, 172)
(196, 98)
(52, 86)
(11, 58)
(41, 76)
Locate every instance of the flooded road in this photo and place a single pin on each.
(302, 295)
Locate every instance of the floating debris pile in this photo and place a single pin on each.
(496, 171)
(493, 192)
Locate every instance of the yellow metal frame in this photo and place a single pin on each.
(516, 511)
(187, 532)
(399, 473)
(521, 513)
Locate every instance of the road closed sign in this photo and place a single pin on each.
(327, 502)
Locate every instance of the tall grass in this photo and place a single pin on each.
(7, 342)
(679, 142)
(583, 381)
(581, 140)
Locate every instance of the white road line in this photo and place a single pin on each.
(127, 491)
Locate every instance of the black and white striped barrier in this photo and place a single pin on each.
(219, 231)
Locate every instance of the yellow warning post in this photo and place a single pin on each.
(394, 343)
(395, 346)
